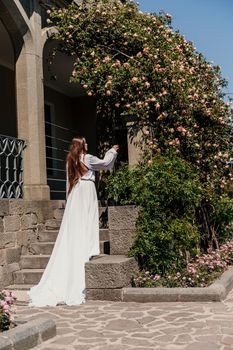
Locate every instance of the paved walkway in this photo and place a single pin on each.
(125, 326)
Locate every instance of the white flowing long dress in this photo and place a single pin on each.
(63, 280)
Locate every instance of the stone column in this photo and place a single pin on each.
(134, 142)
(30, 111)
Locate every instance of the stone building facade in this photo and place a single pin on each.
(38, 104)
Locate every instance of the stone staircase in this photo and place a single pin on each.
(106, 274)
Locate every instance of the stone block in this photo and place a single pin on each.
(5, 277)
(27, 276)
(13, 255)
(29, 221)
(42, 209)
(29, 334)
(9, 255)
(104, 234)
(104, 294)
(110, 271)
(58, 214)
(1, 225)
(150, 295)
(25, 337)
(4, 207)
(52, 224)
(22, 238)
(35, 261)
(121, 241)
(5, 343)
(17, 206)
(13, 267)
(12, 223)
(44, 248)
(49, 207)
(46, 328)
(7, 239)
(2, 257)
(47, 236)
(22, 206)
(122, 217)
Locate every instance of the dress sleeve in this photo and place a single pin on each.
(94, 163)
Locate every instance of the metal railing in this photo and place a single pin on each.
(58, 139)
(11, 167)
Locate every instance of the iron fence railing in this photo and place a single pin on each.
(11, 167)
(58, 139)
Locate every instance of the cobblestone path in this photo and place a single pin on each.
(123, 326)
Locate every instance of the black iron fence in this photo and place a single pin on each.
(11, 167)
(58, 139)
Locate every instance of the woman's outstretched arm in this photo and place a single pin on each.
(95, 163)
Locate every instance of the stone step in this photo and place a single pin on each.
(22, 298)
(34, 261)
(31, 275)
(20, 292)
(52, 224)
(42, 248)
(19, 287)
(43, 251)
(51, 235)
(27, 276)
(46, 248)
(47, 236)
(106, 276)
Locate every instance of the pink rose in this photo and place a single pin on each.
(182, 130)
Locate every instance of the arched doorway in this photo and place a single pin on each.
(8, 125)
(68, 112)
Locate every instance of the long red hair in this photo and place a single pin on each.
(75, 168)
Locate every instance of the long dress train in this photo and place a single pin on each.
(63, 280)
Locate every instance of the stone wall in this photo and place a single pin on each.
(122, 229)
(20, 223)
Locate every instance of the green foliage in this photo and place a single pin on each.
(171, 226)
(167, 192)
(201, 271)
(134, 63)
(221, 217)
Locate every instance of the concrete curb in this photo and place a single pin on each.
(217, 291)
(28, 335)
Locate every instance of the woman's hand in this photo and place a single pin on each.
(116, 147)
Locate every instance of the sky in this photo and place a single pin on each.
(207, 23)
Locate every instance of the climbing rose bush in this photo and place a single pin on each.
(135, 64)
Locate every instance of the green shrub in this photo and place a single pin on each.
(178, 217)
(167, 193)
(221, 217)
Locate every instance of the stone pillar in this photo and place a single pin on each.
(30, 111)
(134, 142)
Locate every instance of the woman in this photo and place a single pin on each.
(63, 280)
